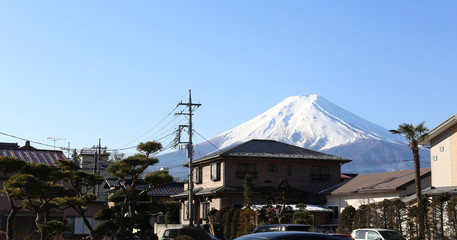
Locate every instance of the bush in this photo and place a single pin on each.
(451, 211)
(346, 220)
(246, 222)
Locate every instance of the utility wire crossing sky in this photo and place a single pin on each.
(116, 70)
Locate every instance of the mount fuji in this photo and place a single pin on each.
(315, 123)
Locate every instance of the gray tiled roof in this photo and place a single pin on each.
(377, 182)
(164, 190)
(271, 149)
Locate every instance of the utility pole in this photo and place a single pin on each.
(190, 152)
(99, 158)
(96, 169)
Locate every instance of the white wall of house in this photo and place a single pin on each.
(355, 200)
(443, 155)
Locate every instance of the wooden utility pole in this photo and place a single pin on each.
(190, 152)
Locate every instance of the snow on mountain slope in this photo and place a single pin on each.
(309, 122)
(315, 123)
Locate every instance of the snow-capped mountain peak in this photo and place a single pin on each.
(315, 123)
(307, 121)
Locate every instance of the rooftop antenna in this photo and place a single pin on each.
(55, 139)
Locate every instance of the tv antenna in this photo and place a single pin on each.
(55, 139)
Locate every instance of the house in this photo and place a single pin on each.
(157, 195)
(372, 188)
(25, 220)
(95, 160)
(219, 177)
(443, 150)
(443, 156)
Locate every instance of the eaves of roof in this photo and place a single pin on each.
(262, 149)
(229, 189)
(433, 191)
(441, 128)
(422, 176)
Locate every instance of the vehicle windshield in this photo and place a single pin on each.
(298, 228)
(249, 238)
(391, 235)
(171, 233)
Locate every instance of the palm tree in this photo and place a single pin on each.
(416, 135)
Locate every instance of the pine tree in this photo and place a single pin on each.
(128, 172)
(82, 183)
(8, 166)
(38, 185)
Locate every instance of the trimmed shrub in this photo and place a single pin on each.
(346, 220)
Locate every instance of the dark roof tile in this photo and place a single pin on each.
(270, 149)
(48, 157)
(164, 190)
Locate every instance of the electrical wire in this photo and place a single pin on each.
(39, 143)
(151, 128)
(207, 141)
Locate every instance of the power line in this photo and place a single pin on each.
(174, 126)
(208, 141)
(39, 143)
(151, 128)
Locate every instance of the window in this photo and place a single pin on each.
(244, 168)
(442, 149)
(216, 171)
(360, 234)
(373, 235)
(289, 170)
(320, 173)
(204, 210)
(198, 175)
(435, 158)
(335, 214)
(272, 167)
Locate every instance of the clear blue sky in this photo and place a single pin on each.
(84, 70)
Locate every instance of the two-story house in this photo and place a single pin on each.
(443, 150)
(219, 177)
